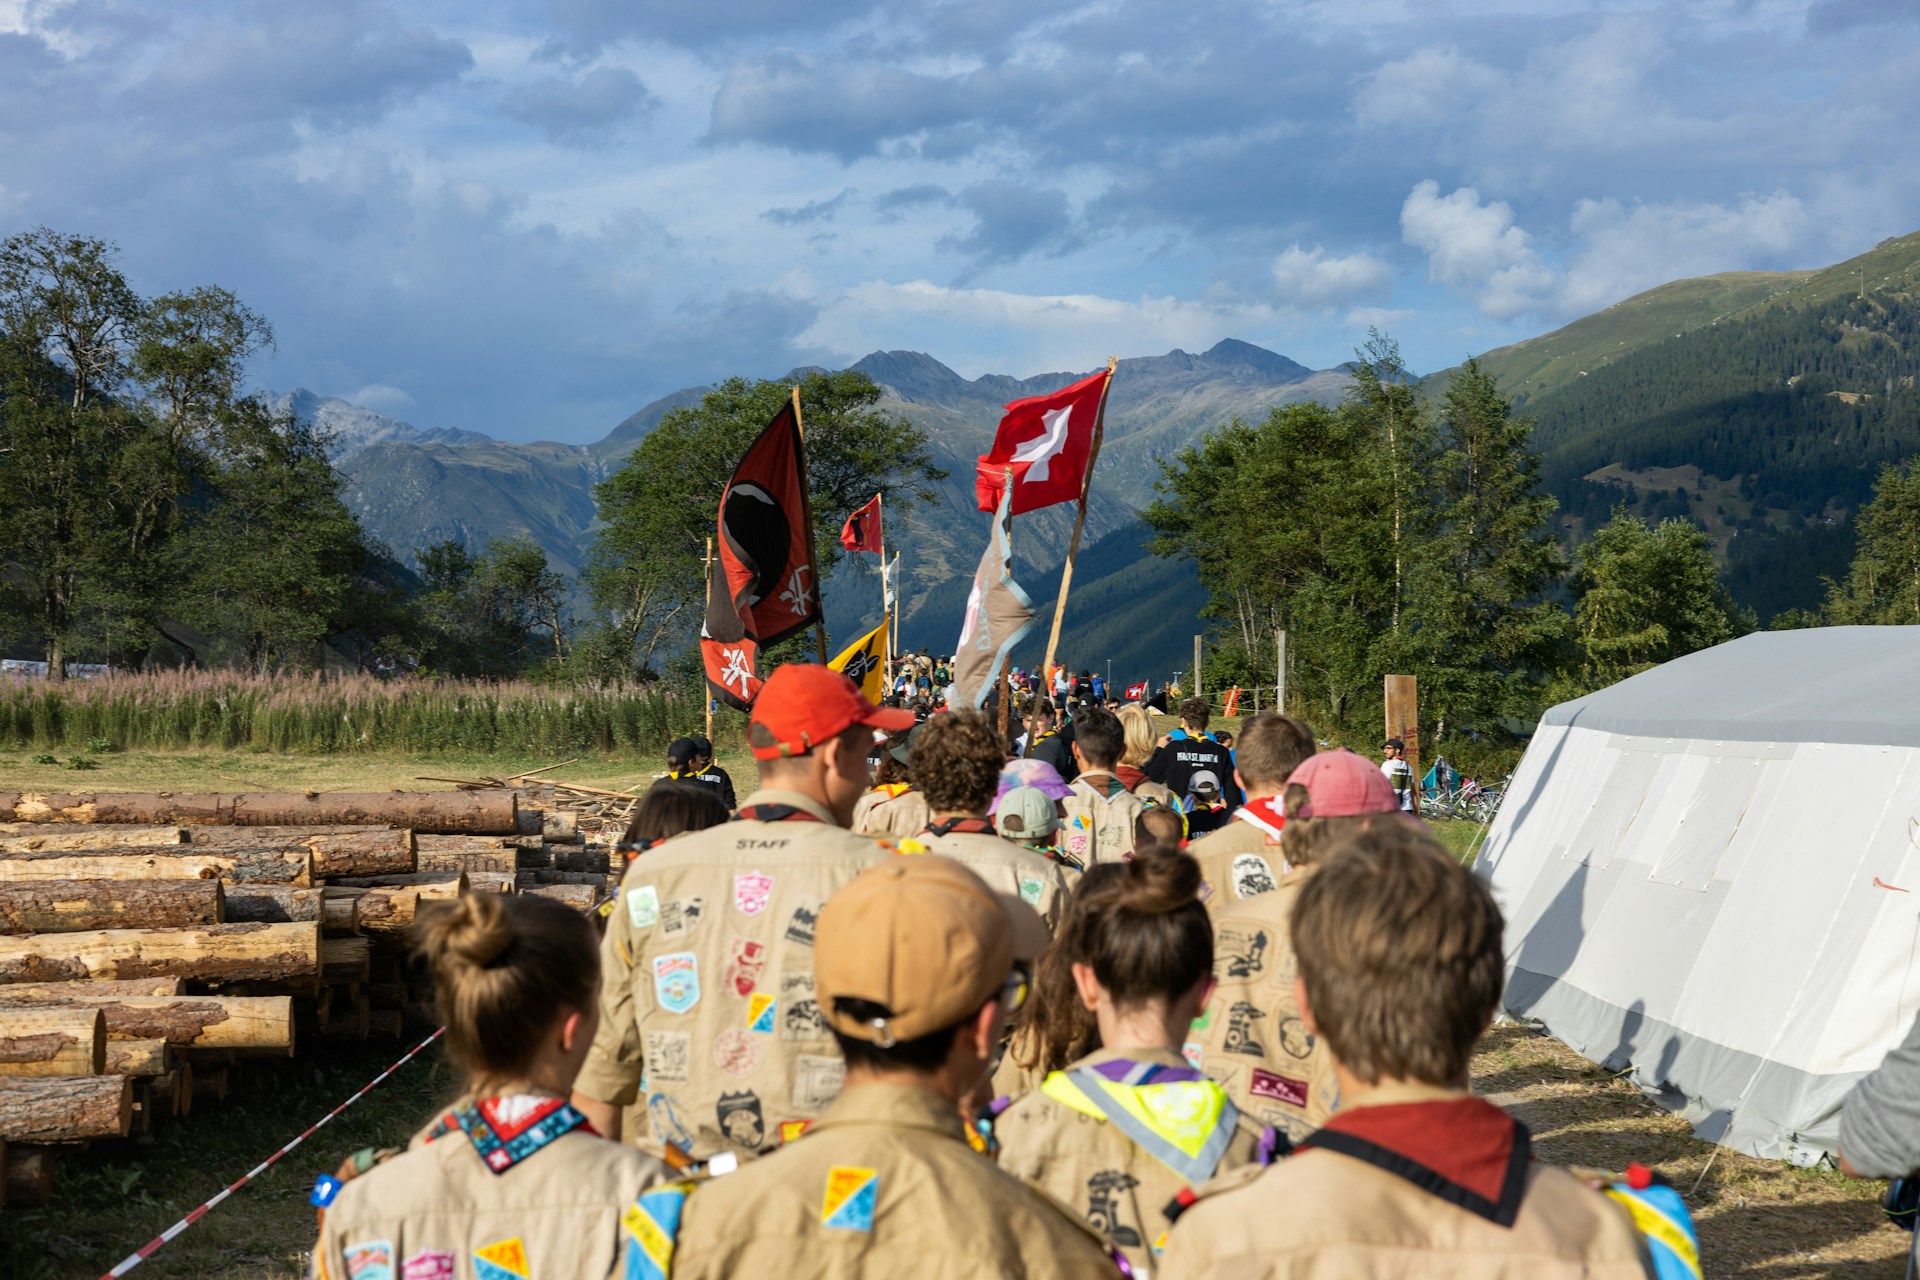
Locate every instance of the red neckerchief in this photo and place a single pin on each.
(1466, 1151)
(774, 813)
(1265, 814)
(963, 826)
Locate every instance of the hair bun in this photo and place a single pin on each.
(471, 931)
(1159, 879)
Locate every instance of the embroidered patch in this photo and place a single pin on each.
(643, 906)
(676, 981)
(800, 1016)
(679, 915)
(1252, 876)
(1194, 1052)
(760, 1011)
(1294, 1039)
(1031, 888)
(1240, 1031)
(669, 1057)
(816, 1081)
(1240, 953)
(1265, 1084)
(850, 1198)
(751, 892)
(736, 1052)
(741, 1120)
(504, 1131)
(506, 1260)
(1078, 842)
(1104, 1192)
(745, 960)
(370, 1260)
(800, 924)
(792, 1129)
(428, 1264)
(664, 1122)
(651, 1222)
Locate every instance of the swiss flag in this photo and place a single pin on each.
(1045, 442)
(1135, 692)
(862, 529)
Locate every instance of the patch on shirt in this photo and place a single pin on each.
(651, 1223)
(800, 924)
(850, 1198)
(679, 915)
(669, 1057)
(1240, 953)
(1194, 1052)
(643, 906)
(741, 1119)
(1294, 1037)
(736, 1052)
(745, 959)
(1031, 888)
(370, 1260)
(1242, 1036)
(676, 981)
(792, 1129)
(760, 1010)
(663, 1120)
(800, 1016)
(1265, 1084)
(428, 1264)
(817, 1080)
(506, 1260)
(751, 892)
(1252, 876)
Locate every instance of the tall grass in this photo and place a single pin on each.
(214, 710)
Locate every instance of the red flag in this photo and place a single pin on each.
(1045, 442)
(1135, 692)
(764, 590)
(862, 530)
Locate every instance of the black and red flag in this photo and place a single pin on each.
(766, 588)
(1046, 442)
(862, 529)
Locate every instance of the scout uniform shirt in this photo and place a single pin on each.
(1482, 1207)
(884, 1184)
(500, 1189)
(892, 809)
(1250, 1037)
(707, 1008)
(1118, 1135)
(1241, 859)
(1004, 865)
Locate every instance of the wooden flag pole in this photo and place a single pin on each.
(806, 510)
(708, 576)
(1079, 521)
(886, 605)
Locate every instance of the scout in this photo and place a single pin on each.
(708, 1015)
(1128, 1128)
(1252, 1038)
(918, 963)
(894, 807)
(1098, 823)
(511, 1181)
(1400, 973)
(956, 761)
(1271, 748)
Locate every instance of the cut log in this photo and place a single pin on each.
(341, 916)
(387, 995)
(164, 1091)
(105, 988)
(560, 827)
(64, 1108)
(134, 1057)
(385, 1024)
(71, 906)
(507, 860)
(69, 1041)
(205, 1022)
(272, 864)
(410, 880)
(209, 953)
(391, 909)
(221, 835)
(210, 1083)
(34, 837)
(582, 860)
(452, 812)
(344, 959)
(374, 853)
(544, 875)
(349, 1020)
(29, 1176)
(274, 903)
(579, 896)
(490, 881)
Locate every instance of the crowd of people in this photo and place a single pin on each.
(1097, 1001)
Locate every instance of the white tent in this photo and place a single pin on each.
(1711, 873)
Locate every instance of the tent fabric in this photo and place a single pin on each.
(1726, 908)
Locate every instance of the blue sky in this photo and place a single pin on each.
(530, 219)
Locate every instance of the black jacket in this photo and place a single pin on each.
(1175, 765)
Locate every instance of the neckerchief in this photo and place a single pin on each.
(966, 826)
(634, 848)
(1266, 814)
(505, 1131)
(1465, 1151)
(773, 813)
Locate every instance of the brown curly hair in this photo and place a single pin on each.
(1053, 1028)
(957, 760)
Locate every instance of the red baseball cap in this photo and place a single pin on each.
(1341, 784)
(803, 705)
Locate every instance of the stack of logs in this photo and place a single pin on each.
(151, 943)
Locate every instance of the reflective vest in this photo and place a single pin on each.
(1178, 1116)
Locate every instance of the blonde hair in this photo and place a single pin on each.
(503, 967)
(1138, 727)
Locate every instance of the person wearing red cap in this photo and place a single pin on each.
(710, 1034)
(1252, 1038)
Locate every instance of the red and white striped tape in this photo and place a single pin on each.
(148, 1249)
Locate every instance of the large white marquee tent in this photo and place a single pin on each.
(1711, 874)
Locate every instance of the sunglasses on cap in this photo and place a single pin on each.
(1018, 986)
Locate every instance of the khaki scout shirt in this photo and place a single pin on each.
(707, 1007)
(1086, 1163)
(883, 1185)
(437, 1211)
(1323, 1214)
(886, 815)
(1251, 1038)
(1007, 867)
(1237, 862)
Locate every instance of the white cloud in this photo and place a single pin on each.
(381, 398)
(1312, 278)
(1427, 85)
(1467, 242)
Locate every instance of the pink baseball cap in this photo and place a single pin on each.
(1341, 784)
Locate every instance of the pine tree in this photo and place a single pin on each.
(1883, 584)
(1647, 594)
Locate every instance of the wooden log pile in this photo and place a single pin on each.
(151, 943)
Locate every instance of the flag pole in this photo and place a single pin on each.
(806, 510)
(886, 605)
(707, 565)
(1080, 519)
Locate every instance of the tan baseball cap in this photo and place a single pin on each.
(920, 936)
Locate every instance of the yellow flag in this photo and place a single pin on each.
(864, 663)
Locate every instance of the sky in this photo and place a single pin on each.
(530, 219)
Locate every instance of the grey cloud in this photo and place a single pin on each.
(805, 103)
(1829, 17)
(1013, 219)
(811, 211)
(892, 205)
(583, 27)
(581, 113)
